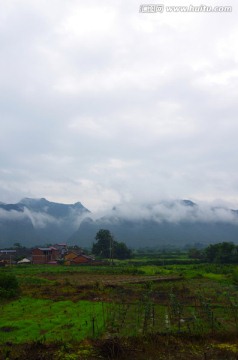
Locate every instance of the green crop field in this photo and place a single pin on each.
(30, 319)
(95, 312)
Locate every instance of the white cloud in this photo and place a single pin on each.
(102, 104)
(40, 220)
(170, 211)
(12, 215)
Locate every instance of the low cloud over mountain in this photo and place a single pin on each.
(174, 212)
(178, 222)
(33, 221)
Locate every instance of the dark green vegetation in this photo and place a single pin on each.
(222, 253)
(132, 310)
(9, 287)
(107, 247)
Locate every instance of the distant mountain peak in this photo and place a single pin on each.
(37, 219)
(179, 221)
(30, 201)
(188, 203)
(43, 201)
(78, 203)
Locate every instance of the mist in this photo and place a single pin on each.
(176, 211)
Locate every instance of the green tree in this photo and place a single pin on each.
(121, 251)
(103, 246)
(225, 252)
(194, 253)
(17, 245)
(107, 247)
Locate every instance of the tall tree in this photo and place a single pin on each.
(104, 245)
(107, 247)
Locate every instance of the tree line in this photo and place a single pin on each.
(220, 253)
(107, 247)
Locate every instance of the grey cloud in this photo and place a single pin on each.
(38, 220)
(155, 92)
(172, 212)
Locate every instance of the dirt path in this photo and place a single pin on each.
(140, 280)
(111, 279)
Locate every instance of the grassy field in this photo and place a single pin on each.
(31, 319)
(92, 312)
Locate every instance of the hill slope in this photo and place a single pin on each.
(38, 221)
(179, 222)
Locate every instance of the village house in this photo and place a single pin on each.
(74, 258)
(7, 257)
(48, 255)
(62, 248)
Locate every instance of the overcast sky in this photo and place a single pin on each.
(105, 105)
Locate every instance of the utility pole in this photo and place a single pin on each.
(111, 251)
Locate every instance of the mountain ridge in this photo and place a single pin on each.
(32, 221)
(39, 221)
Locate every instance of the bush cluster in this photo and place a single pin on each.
(9, 287)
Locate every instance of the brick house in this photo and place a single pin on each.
(48, 255)
(73, 258)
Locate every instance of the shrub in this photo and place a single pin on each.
(235, 276)
(8, 286)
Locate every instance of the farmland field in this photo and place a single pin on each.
(125, 311)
